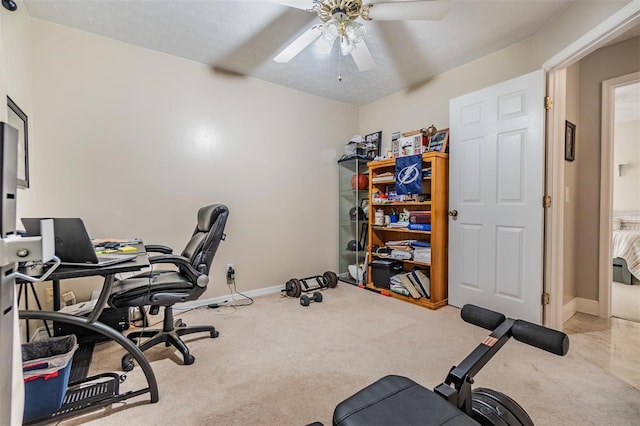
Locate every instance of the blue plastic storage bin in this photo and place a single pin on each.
(46, 366)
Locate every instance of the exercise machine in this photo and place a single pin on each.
(400, 400)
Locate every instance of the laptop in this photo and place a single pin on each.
(73, 245)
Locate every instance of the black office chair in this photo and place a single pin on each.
(166, 287)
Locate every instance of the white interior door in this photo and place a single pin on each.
(496, 187)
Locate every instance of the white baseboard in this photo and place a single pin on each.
(221, 299)
(579, 304)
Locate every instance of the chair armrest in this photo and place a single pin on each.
(158, 248)
(186, 267)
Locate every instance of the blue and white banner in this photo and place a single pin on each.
(409, 174)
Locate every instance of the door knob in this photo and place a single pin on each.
(453, 213)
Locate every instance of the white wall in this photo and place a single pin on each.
(429, 103)
(626, 188)
(16, 65)
(573, 22)
(174, 136)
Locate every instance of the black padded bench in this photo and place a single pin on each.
(397, 400)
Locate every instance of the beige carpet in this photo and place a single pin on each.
(278, 363)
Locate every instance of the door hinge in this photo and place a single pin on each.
(546, 201)
(545, 298)
(548, 102)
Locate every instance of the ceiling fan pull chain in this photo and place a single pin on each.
(339, 67)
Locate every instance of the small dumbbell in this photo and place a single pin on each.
(305, 300)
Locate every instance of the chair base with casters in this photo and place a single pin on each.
(169, 335)
(399, 400)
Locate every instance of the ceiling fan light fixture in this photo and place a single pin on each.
(346, 47)
(324, 46)
(331, 29)
(355, 32)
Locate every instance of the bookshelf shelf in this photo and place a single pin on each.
(403, 203)
(425, 303)
(403, 230)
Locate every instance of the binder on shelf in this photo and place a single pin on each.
(416, 285)
(422, 280)
(419, 227)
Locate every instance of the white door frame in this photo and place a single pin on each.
(606, 188)
(554, 186)
(607, 30)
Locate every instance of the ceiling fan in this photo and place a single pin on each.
(340, 24)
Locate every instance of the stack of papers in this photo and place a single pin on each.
(422, 254)
(79, 308)
(399, 225)
(385, 177)
(395, 285)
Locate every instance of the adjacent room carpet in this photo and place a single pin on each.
(278, 363)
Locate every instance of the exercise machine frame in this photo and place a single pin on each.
(457, 386)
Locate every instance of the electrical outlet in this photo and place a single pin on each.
(69, 298)
(231, 272)
(49, 293)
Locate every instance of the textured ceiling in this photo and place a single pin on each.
(241, 37)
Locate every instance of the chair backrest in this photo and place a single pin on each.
(204, 242)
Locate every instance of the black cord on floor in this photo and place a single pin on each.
(235, 290)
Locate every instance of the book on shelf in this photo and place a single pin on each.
(416, 243)
(419, 227)
(422, 281)
(420, 217)
(415, 285)
(406, 282)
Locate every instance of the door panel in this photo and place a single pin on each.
(509, 251)
(496, 185)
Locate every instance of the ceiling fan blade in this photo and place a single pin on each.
(362, 57)
(432, 10)
(298, 4)
(298, 44)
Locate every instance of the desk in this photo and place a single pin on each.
(91, 323)
(108, 272)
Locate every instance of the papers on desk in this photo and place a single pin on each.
(101, 241)
(79, 308)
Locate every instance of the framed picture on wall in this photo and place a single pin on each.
(569, 141)
(375, 139)
(18, 119)
(439, 141)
